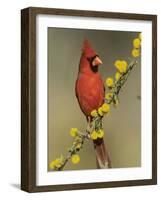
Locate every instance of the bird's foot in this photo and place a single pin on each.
(88, 129)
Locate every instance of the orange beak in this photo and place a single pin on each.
(96, 61)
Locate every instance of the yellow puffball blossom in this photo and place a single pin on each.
(100, 112)
(94, 113)
(73, 132)
(105, 108)
(109, 96)
(136, 43)
(109, 82)
(100, 133)
(55, 164)
(121, 65)
(75, 159)
(140, 36)
(52, 164)
(117, 63)
(135, 53)
(124, 64)
(117, 76)
(94, 135)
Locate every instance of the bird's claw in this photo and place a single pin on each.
(88, 129)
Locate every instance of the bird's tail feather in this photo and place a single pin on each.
(102, 157)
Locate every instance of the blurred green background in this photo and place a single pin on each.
(123, 125)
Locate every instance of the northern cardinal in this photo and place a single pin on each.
(90, 93)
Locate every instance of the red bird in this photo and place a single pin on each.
(89, 85)
(90, 93)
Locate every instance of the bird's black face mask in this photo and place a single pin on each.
(95, 67)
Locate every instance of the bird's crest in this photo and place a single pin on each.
(87, 49)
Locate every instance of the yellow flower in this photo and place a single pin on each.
(124, 64)
(73, 132)
(105, 108)
(117, 76)
(55, 164)
(117, 63)
(136, 43)
(109, 82)
(75, 159)
(140, 36)
(52, 164)
(94, 135)
(135, 52)
(100, 112)
(121, 65)
(94, 113)
(109, 95)
(100, 133)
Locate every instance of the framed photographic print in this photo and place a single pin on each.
(88, 99)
